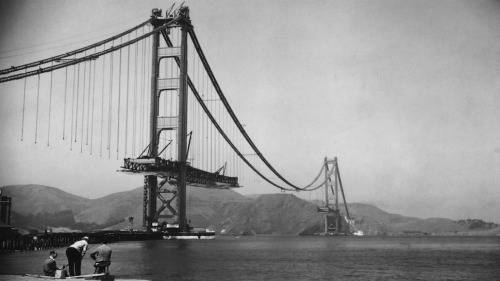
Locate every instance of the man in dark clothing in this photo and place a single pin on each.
(102, 257)
(75, 253)
(50, 266)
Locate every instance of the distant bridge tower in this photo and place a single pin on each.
(334, 224)
(5, 206)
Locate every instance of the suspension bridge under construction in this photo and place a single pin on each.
(149, 96)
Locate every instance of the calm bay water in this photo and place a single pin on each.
(292, 258)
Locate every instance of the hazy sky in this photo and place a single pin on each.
(405, 93)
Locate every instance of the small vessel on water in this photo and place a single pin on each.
(172, 232)
(358, 233)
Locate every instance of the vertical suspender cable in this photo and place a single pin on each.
(239, 168)
(65, 96)
(174, 97)
(135, 98)
(191, 127)
(166, 102)
(141, 94)
(233, 170)
(148, 85)
(127, 99)
(235, 158)
(144, 110)
(143, 71)
(110, 116)
(212, 135)
(242, 165)
(77, 101)
(193, 118)
(37, 102)
(203, 149)
(203, 129)
(72, 107)
(24, 106)
(169, 101)
(119, 100)
(102, 101)
(167, 111)
(207, 128)
(202, 137)
(217, 135)
(50, 107)
(199, 121)
(88, 104)
(209, 94)
(92, 118)
(83, 102)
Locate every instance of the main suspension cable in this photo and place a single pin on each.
(85, 58)
(214, 122)
(71, 53)
(231, 112)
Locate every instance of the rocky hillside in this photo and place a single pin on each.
(37, 207)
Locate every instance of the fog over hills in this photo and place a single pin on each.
(37, 207)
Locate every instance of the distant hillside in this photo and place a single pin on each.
(205, 206)
(35, 207)
(374, 221)
(38, 206)
(112, 208)
(36, 199)
(271, 214)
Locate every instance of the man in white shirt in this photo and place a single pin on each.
(75, 253)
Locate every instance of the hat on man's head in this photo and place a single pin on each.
(85, 238)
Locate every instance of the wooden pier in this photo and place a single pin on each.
(44, 241)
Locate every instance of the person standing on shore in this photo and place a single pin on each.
(75, 253)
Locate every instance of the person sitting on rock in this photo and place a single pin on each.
(50, 266)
